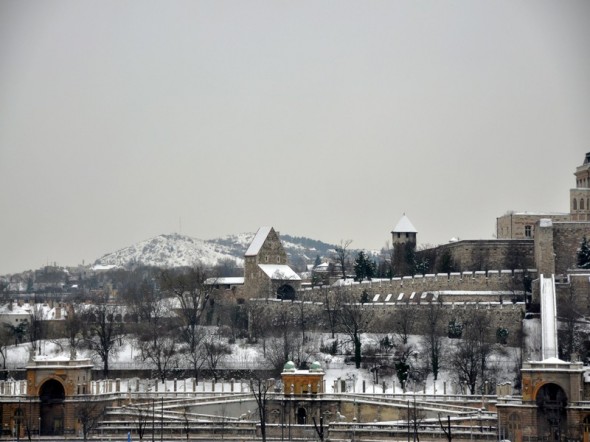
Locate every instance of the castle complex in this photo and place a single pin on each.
(532, 262)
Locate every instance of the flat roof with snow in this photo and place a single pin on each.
(279, 271)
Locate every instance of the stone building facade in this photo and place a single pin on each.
(54, 389)
(266, 270)
(580, 195)
(521, 225)
(553, 404)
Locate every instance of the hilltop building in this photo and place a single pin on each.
(267, 273)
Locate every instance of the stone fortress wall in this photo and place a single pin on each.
(492, 280)
(465, 282)
(474, 255)
(497, 294)
(384, 315)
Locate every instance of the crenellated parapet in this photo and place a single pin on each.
(491, 281)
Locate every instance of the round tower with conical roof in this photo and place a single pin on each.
(404, 232)
(403, 238)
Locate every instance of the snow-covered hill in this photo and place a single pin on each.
(175, 250)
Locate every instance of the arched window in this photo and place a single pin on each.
(514, 422)
(575, 204)
(581, 203)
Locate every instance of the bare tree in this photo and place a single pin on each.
(403, 322)
(432, 339)
(156, 338)
(472, 354)
(89, 414)
(332, 305)
(354, 319)
(74, 326)
(215, 351)
(36, 329)
(570, 317)
(192, 290)
(261, 389)
(103, 331)
(342, 255)
(5, 341)
(259, 323)
(142, 416)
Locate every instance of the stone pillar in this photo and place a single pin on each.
(544, 249)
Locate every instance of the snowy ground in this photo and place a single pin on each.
(335, 367)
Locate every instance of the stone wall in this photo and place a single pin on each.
(543, 247)
(566, 241)
(474, 255)
(514, 225)
(383, 316)
(480, 281)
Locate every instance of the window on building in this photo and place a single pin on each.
(581, 203)
(575, 204)
(528, 231)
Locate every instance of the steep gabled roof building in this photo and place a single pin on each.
(266, 271)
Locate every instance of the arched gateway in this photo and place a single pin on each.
(51, 409)
(53, 385)
(551, 403)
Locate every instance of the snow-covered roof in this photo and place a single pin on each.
(540, 213)
(545, 222)
(99, 267)
(229, 280)
(279, 271)
(553, 361)
(258, 240)
(404, 225)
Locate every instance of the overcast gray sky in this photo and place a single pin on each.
(326, 119)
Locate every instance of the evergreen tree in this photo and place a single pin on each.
(584, 254)
(317, 262)
(364, 267)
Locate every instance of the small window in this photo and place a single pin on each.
(581, 203)
(528, 231)
(407, 235)
(399, 235)
(575, 204)
(278, 259)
